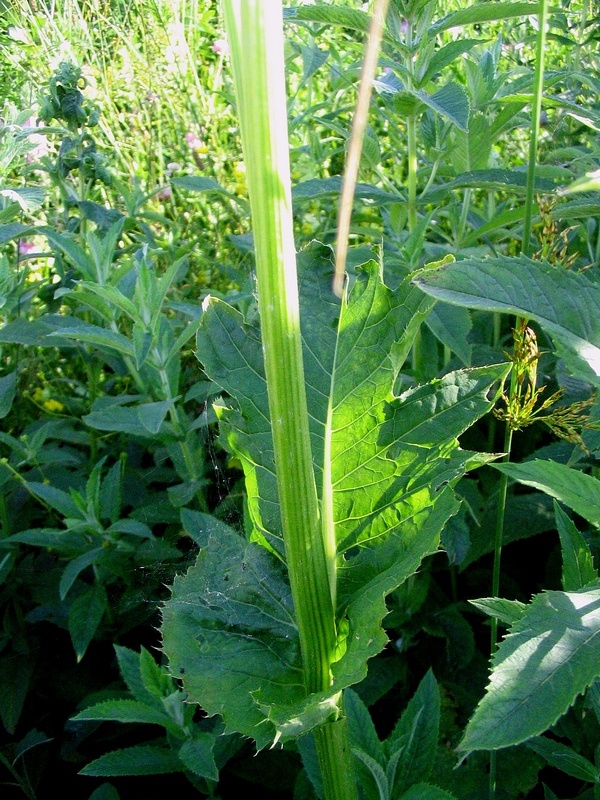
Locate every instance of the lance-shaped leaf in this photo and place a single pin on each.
(384, 467)
(575, 489)
(551, 655)
(565, 303)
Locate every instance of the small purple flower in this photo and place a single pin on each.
(165, 193)
(221, 47)
(26, 248)
(195, 143)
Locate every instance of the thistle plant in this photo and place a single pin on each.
(348, 485)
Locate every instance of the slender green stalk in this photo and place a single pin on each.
(359, 126)
(538, 88)
(255, 31)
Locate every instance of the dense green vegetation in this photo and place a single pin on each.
(449, 401)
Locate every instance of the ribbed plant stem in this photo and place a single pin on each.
(255, 32)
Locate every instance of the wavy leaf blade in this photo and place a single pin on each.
(230, 634)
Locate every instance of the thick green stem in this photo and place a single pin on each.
(256, 41)
(255, 31)
(538, 88)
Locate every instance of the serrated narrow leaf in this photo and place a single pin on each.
(504, 179)
(575, 489)
(85, 615)
(105, 792)
(96, 335)
(416, 736)
(197, 756)
(75, 567)
(138, 760)
(484, 12)
(564, 758)
(565, 303)
(550, 656)
(375, 771)
(57, 499)
(578, 566)
(129, 666)
(450, 102)
(361, 727)
(507, 611)
(127, 711)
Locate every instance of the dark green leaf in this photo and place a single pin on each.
(85, 615)
(416, 736)
(155, 678)
(94, 334)
(16, 672)
(197, 756)
(127, 711)
(326, 187)
(484, 12)
(105, 792)
(575, 489)
(138, 760)
(129, 665)
(361, 728)
(450, 102)
(312, 59)
(564, 758)
(578, 567)
(8, 387)
(57, 499)
(75, 567)
(446, 55)
(504, 179)
(452, 325)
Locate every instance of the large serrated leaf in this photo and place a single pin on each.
(384, 469)
(551, 655)
(229, 632)
(565, 303)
